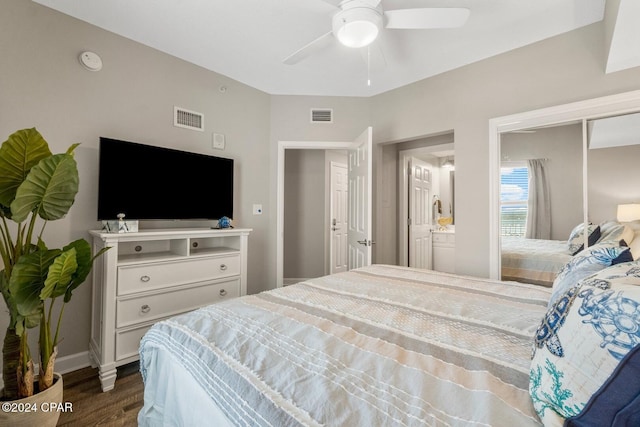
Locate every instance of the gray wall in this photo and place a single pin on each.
(132, 98)
(614, 178)
(304, 214)
(562, 147)
(562, 69)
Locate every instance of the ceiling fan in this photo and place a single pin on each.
(357, 24)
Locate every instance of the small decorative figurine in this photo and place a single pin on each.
(224, 222)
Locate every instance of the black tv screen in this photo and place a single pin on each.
(146, 182)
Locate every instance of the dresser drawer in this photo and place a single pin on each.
(128, 342)
(133, 310)
(145, 277)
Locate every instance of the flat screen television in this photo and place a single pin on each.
(154, 183)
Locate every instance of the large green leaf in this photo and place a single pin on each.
(18, 154)
(60, 275)
(27, 280)
(11, 304)
(50, 188)
(85, 263)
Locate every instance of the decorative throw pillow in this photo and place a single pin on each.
(635, 246)
(614, 231)
(617, 402)
(587, 262)
(576, 239)
(584, 336)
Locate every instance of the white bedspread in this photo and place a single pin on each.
(379, 346)
(535, 261)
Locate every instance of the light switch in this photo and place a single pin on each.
(257, 209)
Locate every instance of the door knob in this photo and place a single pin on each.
(366, 242)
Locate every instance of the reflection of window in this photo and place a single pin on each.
(514, 192)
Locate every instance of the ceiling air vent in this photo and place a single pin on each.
(321, 115)
(188, 119)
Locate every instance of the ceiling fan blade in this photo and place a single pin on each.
(423, 18)
(339, 3)
(318, 44)
(335, 3)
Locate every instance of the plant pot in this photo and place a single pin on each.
(41, 409)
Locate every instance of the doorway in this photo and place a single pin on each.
(359, 200)
(442, 191)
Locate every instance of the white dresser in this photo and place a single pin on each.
(444, 251)
(151, 275)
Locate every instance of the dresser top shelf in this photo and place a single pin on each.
(169, 233)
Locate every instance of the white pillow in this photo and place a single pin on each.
(634, 246)
(614, 231)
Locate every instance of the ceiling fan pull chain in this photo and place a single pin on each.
(369, 65)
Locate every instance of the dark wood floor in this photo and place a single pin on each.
(92, 407)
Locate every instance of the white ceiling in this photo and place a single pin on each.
(247, 39)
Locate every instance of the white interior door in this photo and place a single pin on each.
(360, 191)
(338, 223)
(420, 217)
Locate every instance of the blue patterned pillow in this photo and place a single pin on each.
(587, 262)
(582, 339)
(576, 239)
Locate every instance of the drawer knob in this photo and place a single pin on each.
(223, 267)
(145, 278)
(145, 309)
(222, 292)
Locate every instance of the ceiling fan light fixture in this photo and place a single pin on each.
(357, 27)
(448, 164)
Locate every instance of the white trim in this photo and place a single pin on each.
(73, 362)
(574, 112)
(293, 145)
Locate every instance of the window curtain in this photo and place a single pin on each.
(539, 203)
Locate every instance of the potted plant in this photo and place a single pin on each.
(36, 187)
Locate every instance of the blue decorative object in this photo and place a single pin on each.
(587, 332)
(583, 265)
(224, 222)
(547, 331)
(615, 318)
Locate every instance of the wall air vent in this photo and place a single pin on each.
(188, 119)
(321, 115)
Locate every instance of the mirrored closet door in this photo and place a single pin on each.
(556, 172)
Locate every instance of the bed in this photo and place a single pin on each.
(394, 346)
(538, 261)
(377, 346)
(534, 261)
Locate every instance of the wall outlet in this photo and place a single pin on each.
(257, 209)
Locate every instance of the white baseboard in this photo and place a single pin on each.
(73, 362)
(66, 364)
